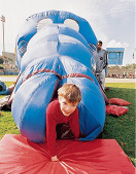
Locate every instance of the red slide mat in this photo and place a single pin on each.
(101, 156)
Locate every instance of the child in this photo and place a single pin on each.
(62, 110)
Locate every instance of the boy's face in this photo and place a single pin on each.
(66, 108)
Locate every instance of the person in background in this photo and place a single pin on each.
(100, 57)
(62, 110)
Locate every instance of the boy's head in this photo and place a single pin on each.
(69, 96)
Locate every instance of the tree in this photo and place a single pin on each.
(1, 61)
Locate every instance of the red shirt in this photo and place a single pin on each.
(54, 116)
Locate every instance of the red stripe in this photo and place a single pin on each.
(42, 70)
(77, 75)
(58, 75)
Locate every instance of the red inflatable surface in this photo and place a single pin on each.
(101, 156)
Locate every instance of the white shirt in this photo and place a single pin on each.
(100, 57)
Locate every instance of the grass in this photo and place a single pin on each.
(7, 124)
(120, 128)
(8, 84)
(8, 75)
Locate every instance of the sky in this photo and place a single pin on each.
(113, 22)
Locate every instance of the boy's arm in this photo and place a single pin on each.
(51, 133)
(74, 124)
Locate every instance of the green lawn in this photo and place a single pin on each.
(120, 128)
(8, 75)
(7, 124)
(8, 84)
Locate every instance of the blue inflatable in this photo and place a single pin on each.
(52, 48)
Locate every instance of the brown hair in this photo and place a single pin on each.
(70, 92)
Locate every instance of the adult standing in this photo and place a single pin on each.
(100, 57)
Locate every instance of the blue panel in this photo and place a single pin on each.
(115, 55)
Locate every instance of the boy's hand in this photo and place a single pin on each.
(54, 158)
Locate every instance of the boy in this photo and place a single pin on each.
(62, 110)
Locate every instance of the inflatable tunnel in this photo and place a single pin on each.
(52, 48)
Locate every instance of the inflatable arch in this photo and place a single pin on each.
(49, 54)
